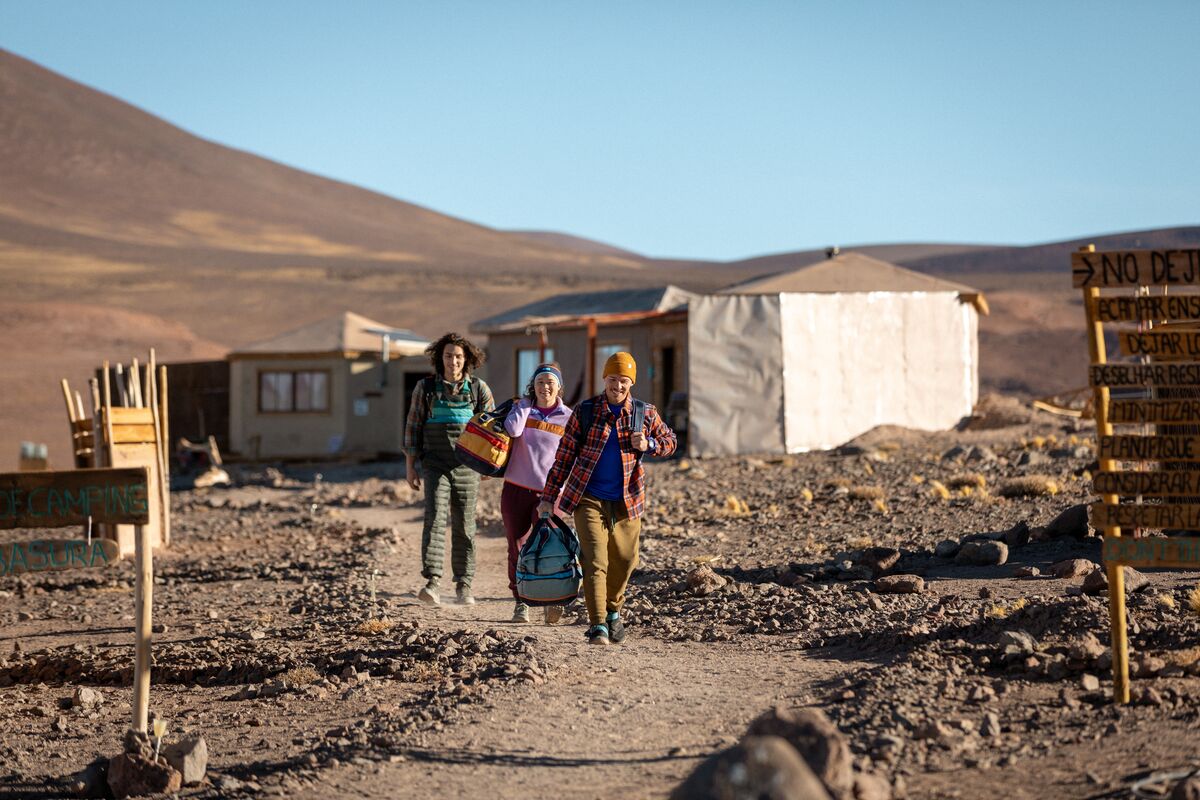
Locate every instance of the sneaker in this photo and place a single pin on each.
(597, 634)
(616, 628)
(464, 596)
(429, 595)
(552, 614)
(521, 613)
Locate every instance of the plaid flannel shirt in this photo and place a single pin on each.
(418, 412)
(574, 464)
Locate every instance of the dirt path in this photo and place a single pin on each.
(621, 721)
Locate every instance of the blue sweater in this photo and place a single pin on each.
(608, 479)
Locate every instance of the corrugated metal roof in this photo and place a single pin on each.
(345, 332)
(588, 304)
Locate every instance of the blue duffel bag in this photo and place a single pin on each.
(548, 570)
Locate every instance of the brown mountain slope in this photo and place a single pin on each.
(75, 162)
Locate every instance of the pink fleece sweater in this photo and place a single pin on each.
(535, 441)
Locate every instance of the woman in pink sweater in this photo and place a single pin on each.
(536, 424)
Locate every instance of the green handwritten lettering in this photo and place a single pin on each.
(97, 549)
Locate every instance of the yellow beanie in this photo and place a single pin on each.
(621, 364)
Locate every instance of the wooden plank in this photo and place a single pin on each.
(132, 434)
(1136, 268)
(1152, 483)
(44, 555)
(1184, 517)
(1159, 308)
(140, 455)
(131, 416)
(1161, 344)
(60, 499)
(1150, 448)
(1181, 373)
(1153, 412)
(1182, 552)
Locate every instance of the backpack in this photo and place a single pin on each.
(484, 444)
(548, 570)
(586, 411)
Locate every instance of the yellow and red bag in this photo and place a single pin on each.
(484, 444)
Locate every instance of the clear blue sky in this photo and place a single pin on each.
(710, 130)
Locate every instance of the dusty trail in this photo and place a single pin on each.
(626, 720)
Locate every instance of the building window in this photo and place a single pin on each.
(603, 351)
(293, 392)
(527, 362)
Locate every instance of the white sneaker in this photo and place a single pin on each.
(464, 596)
(521, 613)
(429, 595)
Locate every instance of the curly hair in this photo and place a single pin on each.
(473, 356)
(529, 388)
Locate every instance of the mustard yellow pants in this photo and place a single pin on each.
(609, 541)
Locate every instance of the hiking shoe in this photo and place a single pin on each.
(429, 595)
(464, 596)
(521, 613)
(552, 614)
(616, 629)
(597, 634)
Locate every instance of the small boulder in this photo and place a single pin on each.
(764, 767)
(86, 698)
(947, 548)
(1017, 535)
(816, 739)
(1023, 642)
(702, 580)
(1089, 683)
(900, 584)
(879, 559)
(1072, 568)
(1071, 522)
(982, 554)
(1085, 648)
(1026, 572)
(190, 757)
(1097, 581)
(131, 775)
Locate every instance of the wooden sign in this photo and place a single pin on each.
(1153, 412)
(1161, 344)
(1136, 268)
(1148, 309)
(1183, 373)
(1150, 448)
(43, 555)
(1174, 483)
(1146, 516)
(62, 499)
(1181, 552)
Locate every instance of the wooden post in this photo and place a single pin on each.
(66, 389)
(165, 420)
(144, 600)
(164, 492)
(1116, 575)
(106, 411)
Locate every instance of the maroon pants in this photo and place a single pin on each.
(518, 507)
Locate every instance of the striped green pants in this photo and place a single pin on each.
(451, 490)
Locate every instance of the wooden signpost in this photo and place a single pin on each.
(1167, 346)
(74, 498)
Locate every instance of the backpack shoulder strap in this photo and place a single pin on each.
(587, 415)
(639, 414)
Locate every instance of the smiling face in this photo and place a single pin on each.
(453, 360)
(545, 389)
(616, 389)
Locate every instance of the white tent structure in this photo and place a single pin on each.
(809, 359)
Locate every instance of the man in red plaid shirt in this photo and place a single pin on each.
(599, 471)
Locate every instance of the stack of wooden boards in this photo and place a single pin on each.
(128, 427)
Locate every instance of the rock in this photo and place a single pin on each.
(1026, 572)
(879, 559)
(702, 580)
(228, 783)
(1086, 648)
(816, 739)
(1089, 682)
(990, 727)
(1187, 789)
(1145, 665)
(764, 767)
(870, 786)
(947, 548)
(1022, 641)
(980, 454)
(1071, 522)
(900, 584)
(1033, 458)
(134, 776)
(1072, 568)
(1017, 535)
(92, 780)
(1097, 581)
(982, 554)
(189, 756)
(86, 698)
(954, 453)
(59, 725)
(1148, 696)
(982, 694)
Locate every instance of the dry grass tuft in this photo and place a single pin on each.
(1193, 599)
(918, 479)
(971, 479)
(939, 490)
(1029, 486)
(807, 494)
(1165, 600)
(867, 493)
(373, 627)
(300, 676)
(736, 506)
(888, 446)
(1000, 611)
(840, 483)
(880, 505)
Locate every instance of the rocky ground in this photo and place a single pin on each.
(936, 596)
